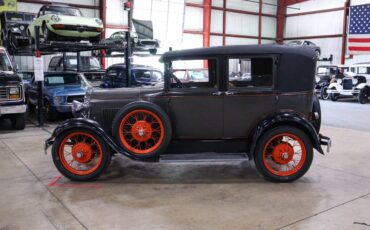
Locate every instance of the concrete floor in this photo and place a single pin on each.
(334, 194)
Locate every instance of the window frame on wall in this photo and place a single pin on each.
(273, 86)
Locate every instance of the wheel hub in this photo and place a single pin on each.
(283, 153)
(82, 152)
(141, 131)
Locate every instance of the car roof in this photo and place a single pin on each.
(61, 73)
(361, 64)
(238, 50)
(133, 66)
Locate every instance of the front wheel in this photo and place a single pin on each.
(19, 121)
(283, 154)
(80, 154)
(333, 96)
(323, 93)
(363, 96)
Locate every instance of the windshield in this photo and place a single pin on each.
(87, 63)
(14, 16)
(63, 11)
(5, 63)
(62, 79)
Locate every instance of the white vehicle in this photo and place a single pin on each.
(356, 84)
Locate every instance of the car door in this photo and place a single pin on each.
(250, 94)
(195, 108)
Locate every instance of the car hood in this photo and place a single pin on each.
(7, 78)
(66, 90)
(122, 93)
(75, 20)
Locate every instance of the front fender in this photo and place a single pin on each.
(332, 85)
(361, 85)
(83, 123)
(286, 118)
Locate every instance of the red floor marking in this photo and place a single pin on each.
(53, 183)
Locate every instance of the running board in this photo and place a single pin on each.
(202, 157)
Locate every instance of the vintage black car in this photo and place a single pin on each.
(141, 40)
(141, 75)
(14, 26)
(324, 76)
(267, 117)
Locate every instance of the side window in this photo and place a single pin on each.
(194, 74)
(142, 75)
(251, 72)
(157, 76)
(362, 70)
(54, 63)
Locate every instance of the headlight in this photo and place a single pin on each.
(59, 100)
(98, 21)
(21, 27)
(339, 81)
(55, 18)
(80, 109)
(354, 81)
(14, 90)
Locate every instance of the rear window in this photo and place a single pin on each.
(69, 79)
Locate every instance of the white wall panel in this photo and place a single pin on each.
(192, 41)
(193, 19)
(218, 3)
(242, 5)
(330, 46)
(269, 9)
(315, 5)
(309, 25)
(240, 41)
(268, 27)
(194, 1)
(216, 21)
(215, 41)
(263, 41)
(241, 24)
(115, 13)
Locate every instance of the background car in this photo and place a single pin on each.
(324, 75)
(191, 75)
(90, 67)
(60, 90)
(306, 43)
(14, 26)
(141, 75)
(141, 40)
(65, 23)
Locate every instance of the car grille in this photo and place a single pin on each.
(3, 94)
(347, 84)
(79, 98)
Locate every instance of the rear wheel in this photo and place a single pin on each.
(19, 121)
(363, 96)
(333, 96)
(142, 129)
(283, 154)
(80, 155)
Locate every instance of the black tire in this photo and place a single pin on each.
(95, 39)
(160, 123)
(153, 51)
(18, 121)
(31, 107)
(268, 138)
(50, 113)
(46, 33)
(323, 93)
(334, 96)
(316, 108)
(363, 96)
(95, 173)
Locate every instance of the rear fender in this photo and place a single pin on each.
(285, 118)
(90, 125)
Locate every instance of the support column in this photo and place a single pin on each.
(280, 22)
(344, 34)
(260, 22)
(206, 22)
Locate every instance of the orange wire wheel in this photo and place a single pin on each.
(80, 153)
(284, 154)
(141, 131)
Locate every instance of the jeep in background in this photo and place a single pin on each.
(90, 67)
(356, 84)
(14, 29)
(12, 103)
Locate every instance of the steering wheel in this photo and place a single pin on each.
(178, 82)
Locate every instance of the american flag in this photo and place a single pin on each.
(359, 29)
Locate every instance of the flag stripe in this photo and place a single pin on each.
(359, 40)
(358, 48)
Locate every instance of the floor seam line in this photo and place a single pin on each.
(342, 171)
(324, 211)
(47, 188)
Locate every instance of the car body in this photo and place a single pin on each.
(65, 23)
(90, 67)
(261, 117)
(14, 26)
(60, 89)
(306, 43)
(324, 75)
(141, 41)
(12, 99)
(355, 84)
(141, 75)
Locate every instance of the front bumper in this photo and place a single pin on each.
(67, 108)
(13, 109)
